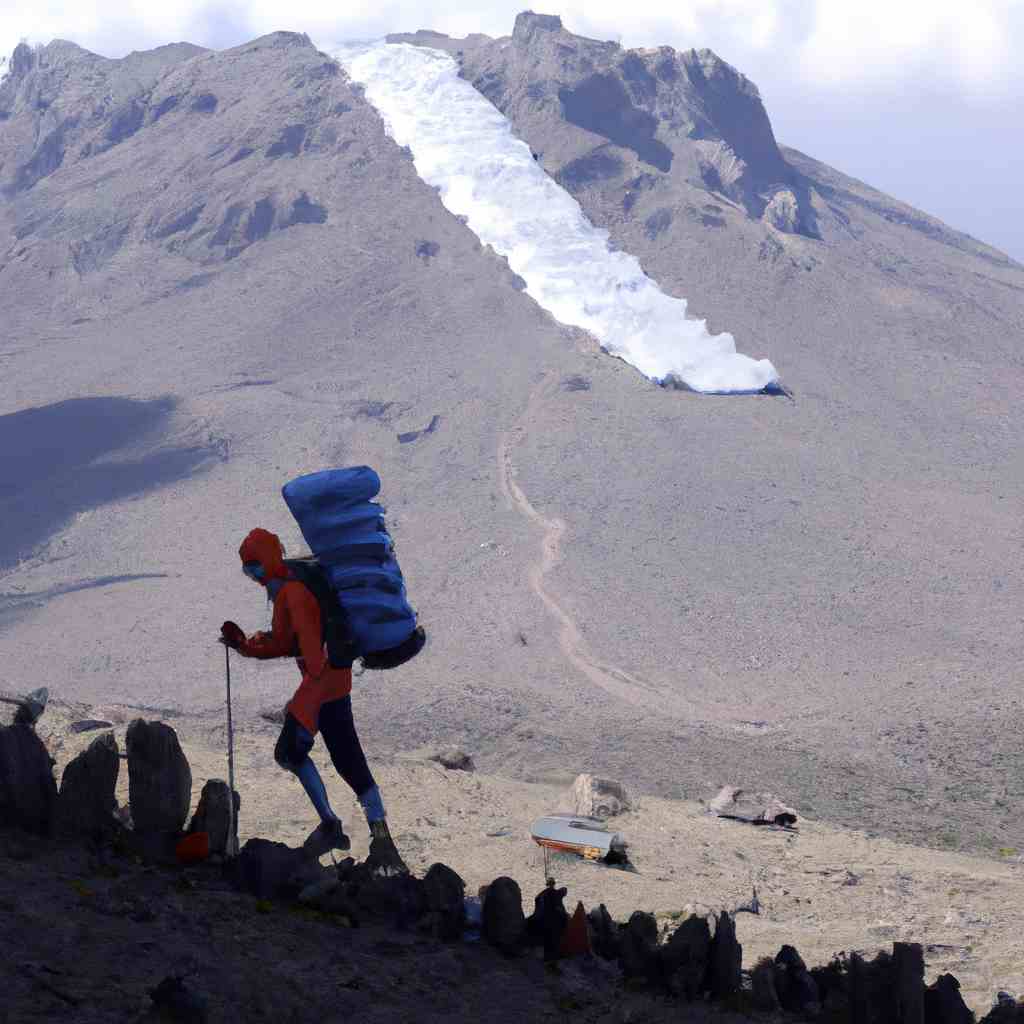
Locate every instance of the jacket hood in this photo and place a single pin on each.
(264, 547)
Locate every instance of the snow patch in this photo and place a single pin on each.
(465, 148)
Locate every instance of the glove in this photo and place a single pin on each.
(231, 635)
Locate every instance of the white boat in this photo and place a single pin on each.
(585, 837)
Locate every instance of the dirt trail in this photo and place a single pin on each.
(610, 678)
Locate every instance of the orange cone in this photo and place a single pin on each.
(576, 937)
(193, 848)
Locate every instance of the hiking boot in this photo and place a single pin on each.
(384, 858)
(327, 836)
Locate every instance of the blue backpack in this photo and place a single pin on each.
(353, 572)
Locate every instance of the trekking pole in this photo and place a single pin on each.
(232, 843)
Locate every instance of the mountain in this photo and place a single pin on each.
(217, 271)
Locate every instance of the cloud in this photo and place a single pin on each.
(870, 44)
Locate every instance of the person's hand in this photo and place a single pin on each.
(232, 635)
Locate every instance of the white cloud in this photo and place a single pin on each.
(867, 44)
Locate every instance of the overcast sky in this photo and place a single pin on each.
(924, 99)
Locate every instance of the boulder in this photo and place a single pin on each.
(725, 960)
(592, 797)
(797, 990)
(365, 893)
(638, 947)
(213, 816)
(273, 870)
(755, 807)
(908, 967)
(943, 1003)
(445, 894)
(454, 758)
(86, 804)
(685, 958)
(504, 924)
(159, 777)
(28, 791)
(604, 933)
(763, 994)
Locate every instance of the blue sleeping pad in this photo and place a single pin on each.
(345, 530)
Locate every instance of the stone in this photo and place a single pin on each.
(445, 894)
(213, 816)
(908, 967)
(638, 952)
(943, 1003)
(159, 777)
(796, 988)
(726, 958)
(454, 758)
(763, 993)
(28, 790)
(755, 807)
(273, 870)
(592, 797)
(604, 933)
(685, 958)
(86, 804)
(504, 924)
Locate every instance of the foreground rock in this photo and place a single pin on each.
(86, 804)
(213, 816)
(159, 777)
(28, 792)
(504, 923)
(454, 759)
(445, 894)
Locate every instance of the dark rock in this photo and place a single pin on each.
(685, 958)
(204, 103)
(529, 24)
(763, 993)
(575, 382)
(943, 1003)
(260, 221)
(305, 211)
(364, 893)
(454, 759)
(22, 60)
(658, 222)
(289, 143)
(159, 777)
(175, 1001)
(797, 990)
(504, 924)
(28, 791)
(604, 933)
(1005, 1010)
(908, 965)
(165, 106)
(445, 894)
(598, 165)
(638, 947)
(726, 959)
(273, 870)
(213, 816)
(86, 803)
(427, 250)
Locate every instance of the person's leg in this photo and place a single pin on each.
(292, 754)
(339, 733)
(346, 752)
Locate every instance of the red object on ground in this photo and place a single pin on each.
(576, 937)
(193, 848)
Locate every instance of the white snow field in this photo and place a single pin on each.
(465, 148)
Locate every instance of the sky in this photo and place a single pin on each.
(922, 99)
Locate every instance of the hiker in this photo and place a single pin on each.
(322, 703)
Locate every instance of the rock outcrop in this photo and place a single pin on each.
(214, 816)
(86, 804)
(593, 797)
(28, 792)
(159, 777)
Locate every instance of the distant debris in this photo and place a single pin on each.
(89, 724)
(594, 797)
(454, 758)
(753, 808)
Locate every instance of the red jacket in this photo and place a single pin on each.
(295, 630)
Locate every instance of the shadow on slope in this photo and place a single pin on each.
(51, 464)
